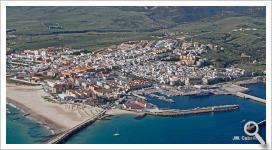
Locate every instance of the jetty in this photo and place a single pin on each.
(250, 97)
(62, 137)
(239, 91)
(198, 110)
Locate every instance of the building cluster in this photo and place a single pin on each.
(111, 73)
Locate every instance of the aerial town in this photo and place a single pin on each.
(124, 75)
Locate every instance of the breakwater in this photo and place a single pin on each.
(193, 111)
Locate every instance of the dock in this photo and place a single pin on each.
(198, 110)
(247, 96)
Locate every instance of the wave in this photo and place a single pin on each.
(12, 105)
(39, 123)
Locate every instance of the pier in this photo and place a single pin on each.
(68, 133)
(193, 111)
(247, 96)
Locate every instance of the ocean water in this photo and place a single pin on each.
(205, 128)
(23, 130)
(216, 128)
(257, 90)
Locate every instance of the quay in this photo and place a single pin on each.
(193, 111)
(68, 133)
(139, 96)
(247, 96)
(163, 98)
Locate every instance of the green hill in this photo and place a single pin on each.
(96, 27)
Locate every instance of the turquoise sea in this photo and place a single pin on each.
(23, 130)
(217, 128)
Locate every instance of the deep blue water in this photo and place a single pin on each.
(257, 90)
(207, 128)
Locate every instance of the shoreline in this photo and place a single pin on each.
(49, 124)
(28, 100)
(52, 127)
(53, 115)
(43, 121)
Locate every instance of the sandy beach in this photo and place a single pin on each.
(58, 117)
(29, 99)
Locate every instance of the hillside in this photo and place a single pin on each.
(95, 27)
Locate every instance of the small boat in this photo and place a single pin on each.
(243, 121)
(116, 133)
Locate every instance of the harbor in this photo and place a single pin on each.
(225, 123)
(183, 104)
(141, 75)
(62, 137)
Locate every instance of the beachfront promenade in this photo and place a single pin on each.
(68, 133)
(247, 96)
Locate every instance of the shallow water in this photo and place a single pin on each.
(23, 130)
